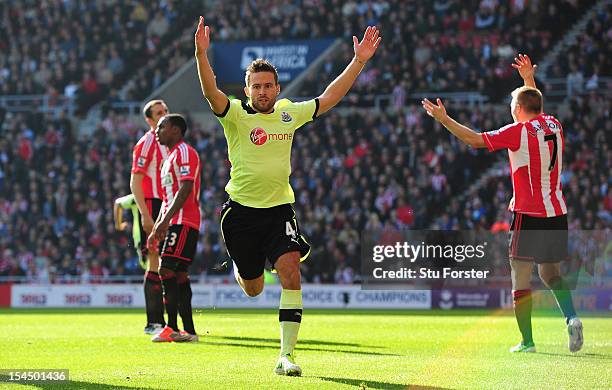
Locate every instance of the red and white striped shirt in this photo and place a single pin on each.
(535, 149)
(182, 164)
(147, 158)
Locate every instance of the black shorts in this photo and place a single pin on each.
(179, 248)
(542, 240)
(154, 206)
(254, 235)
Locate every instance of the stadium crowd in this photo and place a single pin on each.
(447, 46)
(393, 170)
(444, 45)
(589, 58)
(82, 49)
(116, 51)
(56, 190)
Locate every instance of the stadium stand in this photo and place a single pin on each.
(449, 46)
(588, 59)
(395, 170)
(458, 46)
(134, 47)
(82, 49)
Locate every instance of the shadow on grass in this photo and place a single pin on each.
(79, 385)
(300, 341)
(247, 345)
(578, 355)
(364, 384)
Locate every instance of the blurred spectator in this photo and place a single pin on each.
(158, 27)
(484, 18)
(575, 82)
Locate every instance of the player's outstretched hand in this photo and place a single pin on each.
(522, 63)
(365, 49)
(438, 112)
(202, 37)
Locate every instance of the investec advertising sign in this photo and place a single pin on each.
(290, 57)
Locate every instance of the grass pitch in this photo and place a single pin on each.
(338, 349)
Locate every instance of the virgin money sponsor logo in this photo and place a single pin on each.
(259, 136)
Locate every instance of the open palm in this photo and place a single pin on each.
(365, 49)
(202, 37)
(523, 64)
(436, 111)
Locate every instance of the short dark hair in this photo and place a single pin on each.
(260, 65)
(529, 98)
(179, 121)
(146, 111)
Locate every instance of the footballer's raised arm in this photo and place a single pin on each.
(216, 98)
(338, 88)
(464, 133)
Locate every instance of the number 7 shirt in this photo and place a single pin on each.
(182, 164)
(535, 149)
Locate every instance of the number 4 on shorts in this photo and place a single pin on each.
(289, 230)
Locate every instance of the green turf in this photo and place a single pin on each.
(337, 349)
